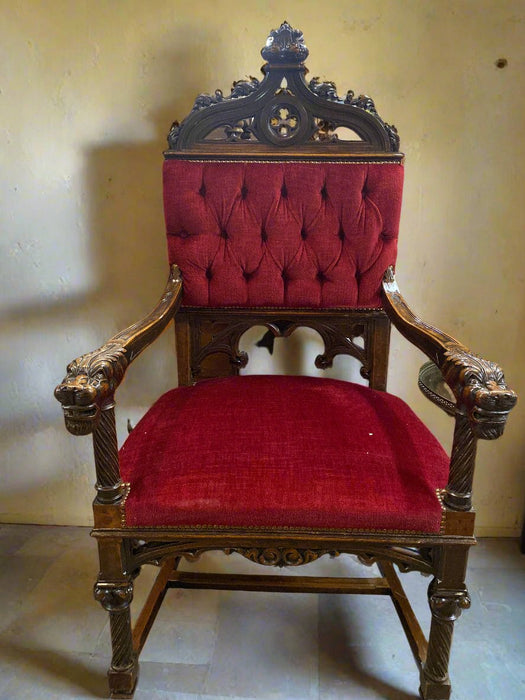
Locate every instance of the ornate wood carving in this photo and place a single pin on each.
(478, 385)
(283, 109)
(483, 400)
(116, 597)
(446, 606)
(407, 558)
(105, 446)
(220, 331)
(281, 556)
(285, 45)
(458, 493)
(113, 596)
(92, 379)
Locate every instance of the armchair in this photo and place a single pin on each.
(275, 218)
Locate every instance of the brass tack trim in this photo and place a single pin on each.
(127, 489)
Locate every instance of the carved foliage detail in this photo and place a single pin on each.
(281, 556)
(327, 90)
(407, 558)
(285, 53)
(114, 597)
(285, 45)
(479, 386)
(240, 88)
(447, 605)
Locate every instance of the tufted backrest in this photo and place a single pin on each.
(290, 234)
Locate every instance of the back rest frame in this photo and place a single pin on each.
(281, 118)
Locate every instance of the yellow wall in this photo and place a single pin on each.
(88, 90)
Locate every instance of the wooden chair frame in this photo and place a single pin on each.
(208, 345)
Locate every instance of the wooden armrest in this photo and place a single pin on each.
(478, 385)
(92, 379)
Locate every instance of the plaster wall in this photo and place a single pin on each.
(88, 91)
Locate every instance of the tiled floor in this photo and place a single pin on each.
(209, 645)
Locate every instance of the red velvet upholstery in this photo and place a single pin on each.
(283, 451)
(290, 234)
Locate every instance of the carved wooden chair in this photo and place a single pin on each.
(273, 220)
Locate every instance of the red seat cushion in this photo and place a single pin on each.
(269, 451)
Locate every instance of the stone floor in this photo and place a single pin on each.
(208, 645)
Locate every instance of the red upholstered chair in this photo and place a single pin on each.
(273, 220)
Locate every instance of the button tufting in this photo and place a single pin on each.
(303, 222)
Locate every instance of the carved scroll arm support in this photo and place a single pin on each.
(483, 400)
(93, 378)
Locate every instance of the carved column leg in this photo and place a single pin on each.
(105, 446)
(458, 494)
(447, 596)
(114, 590)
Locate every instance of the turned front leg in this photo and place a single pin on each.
(115, 597)
(447, 597)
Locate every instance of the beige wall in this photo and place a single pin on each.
(87, 93)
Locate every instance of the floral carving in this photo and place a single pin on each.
(285, 45)
(447, 605)
(241, 131)
(325, 131)
(284, 75)
(240, 88)
(113, 597)
(243, 88)
(281, 556)
(327, 90)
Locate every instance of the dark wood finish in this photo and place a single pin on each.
(206, 332)
(483, 400)
(447, 596)
(285, 118)
(414, 633)
(280, 584)
(283, 110)
(92, 379)
(152, 605)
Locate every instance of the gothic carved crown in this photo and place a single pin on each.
(283, 109)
